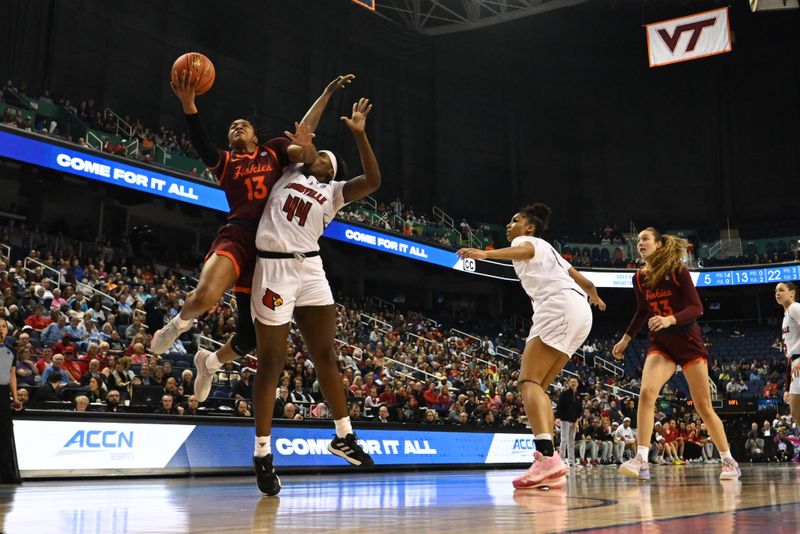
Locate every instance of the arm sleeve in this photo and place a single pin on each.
(693, 308)
(209, 154)
(280, 145)
(642, 310)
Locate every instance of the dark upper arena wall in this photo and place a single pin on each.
(560, 107)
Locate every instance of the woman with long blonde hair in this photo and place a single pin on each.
(786, 296)
(667, 299)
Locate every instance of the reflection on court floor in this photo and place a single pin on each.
(678, 499)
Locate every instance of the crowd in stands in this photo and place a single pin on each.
(612, 252)
(83, 345)
(127, 129)
(400, 218)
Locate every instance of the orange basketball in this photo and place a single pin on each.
(199, 67)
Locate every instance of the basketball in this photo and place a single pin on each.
(199, 67)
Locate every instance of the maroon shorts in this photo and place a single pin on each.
(237, 243)
(684, 347)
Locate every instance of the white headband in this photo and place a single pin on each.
(334, 163)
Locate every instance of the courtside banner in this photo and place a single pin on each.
(75, 447)
(94, 166)
(687, 38)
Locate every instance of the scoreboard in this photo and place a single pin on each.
(748, 276)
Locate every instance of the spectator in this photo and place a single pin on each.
(289, 411)
(113, 398)
(24, 397)
(38, 321)
(54, 332)
(626, 437)
(56, 368)
(192, 406)
(26, 369)
(242, 410)
(383, 414)
(243, 388)
(81, 403)
(167, 406)
(48, 392)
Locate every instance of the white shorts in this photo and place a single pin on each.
(279, 285)
(562, 321)
(794, 388)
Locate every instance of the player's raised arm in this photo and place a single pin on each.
(314, 113)
(370, 181)
(185, 89)
(302, 149)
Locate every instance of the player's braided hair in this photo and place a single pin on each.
(667, 259)
(539, 215)
(260, 127)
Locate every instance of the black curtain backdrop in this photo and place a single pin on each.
(560, 107)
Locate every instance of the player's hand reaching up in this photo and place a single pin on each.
(339, 83)
(358, 120)
(185, 89)
(302, 135)
(472, 253)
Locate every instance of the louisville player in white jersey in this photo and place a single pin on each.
(289, 281)
(562, 319)
(786, 295)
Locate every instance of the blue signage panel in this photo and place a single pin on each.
(307, 447)
(89, 446)
(95, 166)
(376, 240)
(748, 276)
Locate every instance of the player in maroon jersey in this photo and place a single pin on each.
(246, 173)
(667, 299)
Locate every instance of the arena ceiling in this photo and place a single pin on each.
(436, 17)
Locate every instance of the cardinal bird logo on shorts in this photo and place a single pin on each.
(271, 299)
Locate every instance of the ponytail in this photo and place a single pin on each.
(539, 215)
(667, 259)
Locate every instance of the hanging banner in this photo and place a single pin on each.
(687, 38)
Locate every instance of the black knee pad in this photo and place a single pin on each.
(244, 340)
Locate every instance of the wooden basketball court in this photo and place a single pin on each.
(678, 499)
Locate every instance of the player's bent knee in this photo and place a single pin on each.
(244, 341)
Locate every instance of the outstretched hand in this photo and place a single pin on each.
(302, 136)
(183, 86)
(358, 120)
(339, 83)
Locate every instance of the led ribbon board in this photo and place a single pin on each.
(96, 166)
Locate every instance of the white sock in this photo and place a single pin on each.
(543, 436)
(263, 446)
(725, 455)
(213, 362)
(181, 322)
(343, 427)
(642, 452)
